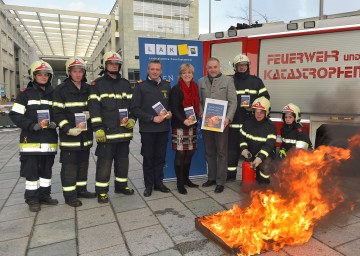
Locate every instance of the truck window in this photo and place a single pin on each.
(226, 52)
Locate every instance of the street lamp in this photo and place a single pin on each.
(210, 14)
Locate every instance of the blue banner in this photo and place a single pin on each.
(172, 53)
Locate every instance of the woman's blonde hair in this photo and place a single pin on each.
(186, 66)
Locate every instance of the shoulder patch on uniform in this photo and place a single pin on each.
(300, 130)
(23, 90)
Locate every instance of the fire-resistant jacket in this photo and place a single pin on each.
(258, 137)
(68, 100)
(107, 96)
(146, 94)
(246, 84)
(24, 115)
(294, 135)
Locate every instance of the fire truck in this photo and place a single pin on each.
(313, 63)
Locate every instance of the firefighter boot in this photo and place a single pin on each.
(187, 181)
(180, 179)
(231, 175)
(121, 168)
(81, 183)
(45, 198)
(32, 199)
(103, 170)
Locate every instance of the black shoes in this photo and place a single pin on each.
(126, 191)
(34, 207)
(190, 184)
(219, 189)
(48, 201)
(103, 198)
(162, 188)
(147, 192)
(182, 189)
(209, 183)
(86, 194)
(74, 202)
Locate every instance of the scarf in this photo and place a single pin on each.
(191, 95)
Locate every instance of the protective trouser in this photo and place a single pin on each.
(153, 150)
(233, 152)
(37, 169)
(107, 153)
(74, 171)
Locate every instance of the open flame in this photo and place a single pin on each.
(285, 215)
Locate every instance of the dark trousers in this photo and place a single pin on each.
(37, 169)
(74, 172)
(233, 151)
(107, 153)
(153, 150)
(216, 149)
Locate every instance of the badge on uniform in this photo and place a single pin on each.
(164, 93)
(245, 101)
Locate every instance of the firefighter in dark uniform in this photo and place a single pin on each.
(76, 135)
(248, 88)
(32, 112)
(293, 134)
(258, 138)
(109, 94)
(154, 128)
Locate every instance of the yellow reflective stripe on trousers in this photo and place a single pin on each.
(45, 182)
(32, 185)
(81, 183)
(231, 169)
(70, 188)
(18, 108)
(62, 123)
(119, 136)
(243, 144)
(102, 184)
(264, 153)
(75, 144)
(38, 147)
(121, 179)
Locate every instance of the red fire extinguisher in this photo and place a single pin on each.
(248, 177)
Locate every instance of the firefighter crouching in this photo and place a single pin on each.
(258, 138)
(293, 133)
(248, 88)
(76, 135)
(32, 112)
(109, 95)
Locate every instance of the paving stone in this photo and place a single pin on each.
(139, 185)
(99, 237)
(4, 193)
(15, 198)
(334, 236)
(312, 247)
(122, 203)
(350, 248)
(136, 219)
(227, 196)
(193, 194)
(2, 202)
(8, 184)
(14, 212)
(170, 252)
(166, 203)
(15, 228)
(9, 176)
(110, 251)
(88, 204)
(67, 248)
(14, 247)
(54, 232)
(95, 217)
(204, 207)
(148, 240)
(55, 213)
(199, 248)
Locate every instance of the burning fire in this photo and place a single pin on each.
(287, 214)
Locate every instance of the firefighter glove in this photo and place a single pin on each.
(74, 131)
(282, 153)
(100, 136)
(52, 125)
(130, 123)
(256, 162)
(37, 127)
(87, 114)
(246, 154)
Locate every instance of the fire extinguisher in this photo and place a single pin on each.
(248, 176)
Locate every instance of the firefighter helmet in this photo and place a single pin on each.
(40, 65)
(262, 103)
(241, 59)
(292, 108)
(112, 56)
(74, 63)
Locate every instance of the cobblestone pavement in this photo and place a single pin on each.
(162, 224)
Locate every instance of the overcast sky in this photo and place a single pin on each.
(273, 10)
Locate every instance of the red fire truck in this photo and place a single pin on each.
(313, 63)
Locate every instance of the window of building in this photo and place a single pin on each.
(133, 76)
